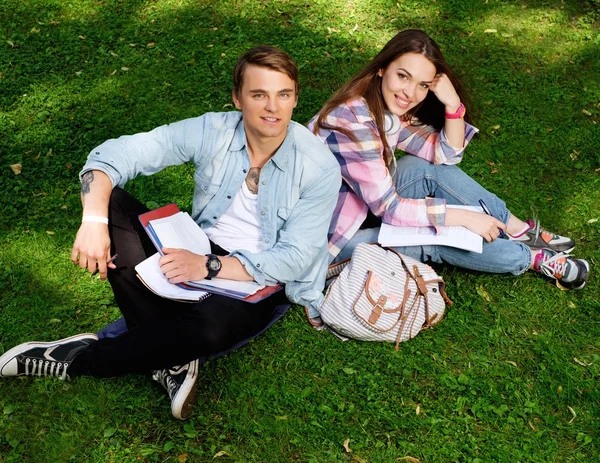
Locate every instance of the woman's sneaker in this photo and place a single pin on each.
(536, 238)
(180, 383)
(569, 273)
(44, 358)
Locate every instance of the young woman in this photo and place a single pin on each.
(407, 98)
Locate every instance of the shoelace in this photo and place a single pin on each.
(46, 368)
(167, 381)
(550, 267)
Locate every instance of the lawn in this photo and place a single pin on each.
(510, 375)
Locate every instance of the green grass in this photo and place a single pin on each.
(510, 375)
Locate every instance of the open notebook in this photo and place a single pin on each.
(458, 237)
(169, 227)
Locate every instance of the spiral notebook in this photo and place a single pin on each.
(168, 227)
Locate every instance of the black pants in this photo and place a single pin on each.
(162, 332)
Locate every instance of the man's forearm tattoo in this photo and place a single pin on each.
(86, 180)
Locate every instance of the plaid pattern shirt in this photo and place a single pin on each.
(368, 182)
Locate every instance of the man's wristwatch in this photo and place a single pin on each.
(213, 265)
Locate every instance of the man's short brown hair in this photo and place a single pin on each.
(266, 57)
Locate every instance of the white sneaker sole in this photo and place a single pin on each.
(186, 395)
(17, 350)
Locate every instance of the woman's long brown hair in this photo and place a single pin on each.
(367, 84)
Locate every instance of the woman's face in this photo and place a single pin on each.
(405, 82)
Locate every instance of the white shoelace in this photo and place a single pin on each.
(550, 267)
(46, 368)
(167, 381)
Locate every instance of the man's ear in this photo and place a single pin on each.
(236, 100)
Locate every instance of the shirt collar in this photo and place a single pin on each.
(281, 156)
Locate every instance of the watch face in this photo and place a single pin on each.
(214, 264)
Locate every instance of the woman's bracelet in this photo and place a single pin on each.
(94, 218)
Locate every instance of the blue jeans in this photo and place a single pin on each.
(416, 179)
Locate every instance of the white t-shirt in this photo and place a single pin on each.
(239, 227)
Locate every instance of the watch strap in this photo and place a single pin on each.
(458, 114)
(213, 270)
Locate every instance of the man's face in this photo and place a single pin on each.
(266, 100)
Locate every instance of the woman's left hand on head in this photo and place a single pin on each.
(445, 92)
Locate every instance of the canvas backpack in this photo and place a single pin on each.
(382, 295)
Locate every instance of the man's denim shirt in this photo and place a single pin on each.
(297, 193)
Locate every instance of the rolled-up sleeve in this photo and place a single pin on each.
(126, 157)
(426, 142)
(303, 236)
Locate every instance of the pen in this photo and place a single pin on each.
(487, 211)
(109, 261)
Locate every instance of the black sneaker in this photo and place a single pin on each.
(44, 358)
(537, 238)
(180, 383)
(569, 273)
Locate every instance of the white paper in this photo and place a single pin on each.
(458, 237)
(181, 232)
(150, 274)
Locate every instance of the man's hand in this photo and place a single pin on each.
(91, 249)
(180, 265)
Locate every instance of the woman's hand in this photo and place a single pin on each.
(445, 92)
(180, 265)
(484, 225)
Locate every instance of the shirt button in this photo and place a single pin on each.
(257, 265)
(228, 197)
(264, 183)
(266, 240)
(215, 217)
(245, 171)
(263, 213)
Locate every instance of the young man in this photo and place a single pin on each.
(265, 191)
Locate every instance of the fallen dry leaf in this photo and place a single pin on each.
(49, 232)
(411, 459)
(490, 31)
(124, 68)
(222, 453)
(16, 168)
(418, 410)
(586, 112)
(182, 458)
(592, 220)
(510, 362)
(572, 413)
(347, 446)
(579, 362)
(358, 459)
(483, 293)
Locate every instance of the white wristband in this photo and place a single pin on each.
(94, 218)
